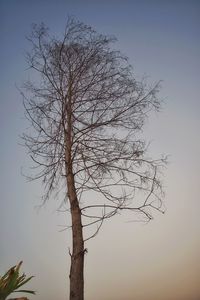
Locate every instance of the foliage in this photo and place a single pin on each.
(11, 281)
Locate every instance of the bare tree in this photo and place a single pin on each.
(86, 110)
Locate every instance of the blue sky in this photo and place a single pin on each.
(126, 260)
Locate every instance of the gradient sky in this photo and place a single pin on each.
(127, 260)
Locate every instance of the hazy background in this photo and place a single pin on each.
(126, 261)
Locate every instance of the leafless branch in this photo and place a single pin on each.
(86, 112)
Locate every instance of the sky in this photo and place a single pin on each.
(127, 260)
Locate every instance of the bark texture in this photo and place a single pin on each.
(77, 256)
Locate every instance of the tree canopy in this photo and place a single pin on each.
(87, 111)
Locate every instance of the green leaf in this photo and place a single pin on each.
(11, 281)
(25, 291)
(24, 281)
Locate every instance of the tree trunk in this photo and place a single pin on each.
(77, 257)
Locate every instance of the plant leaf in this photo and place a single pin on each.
(24, 281)
(25, 291)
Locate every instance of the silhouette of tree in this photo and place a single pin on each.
(86, 111)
